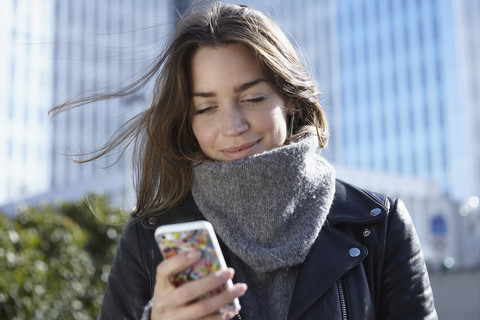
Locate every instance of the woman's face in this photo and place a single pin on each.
(237, 112)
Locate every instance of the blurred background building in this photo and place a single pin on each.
(99, 46)
(400, 83)
(26, 74)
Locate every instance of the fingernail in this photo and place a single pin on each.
(229, 315)
(240, 288)
(222, 274)
(192, 254)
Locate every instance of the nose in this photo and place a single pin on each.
(233, 121)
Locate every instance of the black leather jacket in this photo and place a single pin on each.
(365, 264)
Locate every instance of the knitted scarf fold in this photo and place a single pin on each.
(268, 208)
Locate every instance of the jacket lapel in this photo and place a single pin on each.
(329, 258)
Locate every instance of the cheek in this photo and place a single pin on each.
(202, 133)
(279, 119)
(281, 130)
(275, 123)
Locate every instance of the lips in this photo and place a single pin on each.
(241, 151)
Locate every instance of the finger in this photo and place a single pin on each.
(209, 308)
(220, 316)
(196, 288)
(193, 290)
(223, 302)
(167, 269)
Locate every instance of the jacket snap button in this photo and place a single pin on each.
(375, 212)
(354, 252)
(152, 220)
(366, 232)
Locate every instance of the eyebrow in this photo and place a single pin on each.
(239, 88)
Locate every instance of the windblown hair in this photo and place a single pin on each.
(165, 146)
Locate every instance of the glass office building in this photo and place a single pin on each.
(100, 46)
(401, 107)
(57, 50)
(25, 96)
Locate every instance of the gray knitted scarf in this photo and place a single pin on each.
(268, 208)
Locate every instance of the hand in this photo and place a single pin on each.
(170, 302)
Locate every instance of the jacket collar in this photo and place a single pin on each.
(355, 205)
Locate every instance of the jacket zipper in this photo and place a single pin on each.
(341, 295)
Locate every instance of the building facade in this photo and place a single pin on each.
(25, 97)
(399, 91)
(407, 105)
(467, 17)
(61, 50)
(100, 47)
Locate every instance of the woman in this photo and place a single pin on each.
(233, 136)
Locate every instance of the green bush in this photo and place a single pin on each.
(55, 260)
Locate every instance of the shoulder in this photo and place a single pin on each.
(352, 204)
(186, 211)
(361, 214)
(355, 205)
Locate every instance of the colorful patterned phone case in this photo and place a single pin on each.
(183, 237)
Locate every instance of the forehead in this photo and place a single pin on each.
(231, 64)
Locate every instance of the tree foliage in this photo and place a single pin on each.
(55, 259)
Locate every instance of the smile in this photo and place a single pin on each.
(241, 151)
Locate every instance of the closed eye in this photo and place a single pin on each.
(256, 100)
(204, 110)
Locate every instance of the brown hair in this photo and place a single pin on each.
(165, 146)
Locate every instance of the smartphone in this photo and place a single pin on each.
(178, 238)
